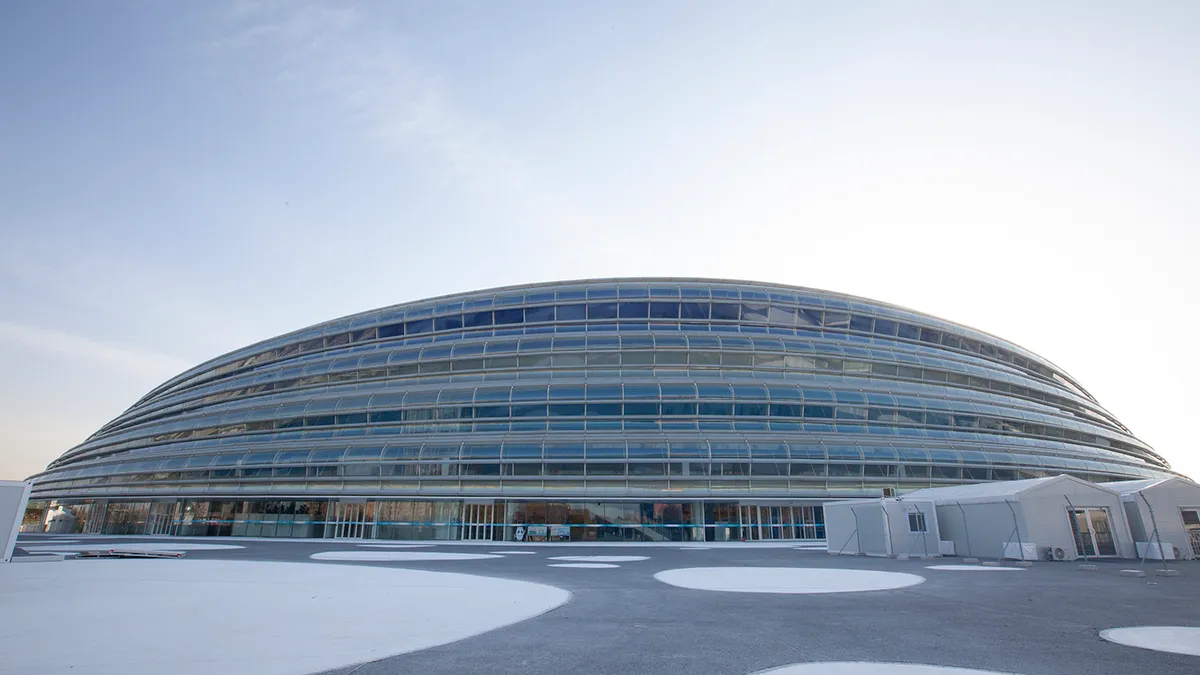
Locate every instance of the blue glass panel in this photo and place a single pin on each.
(602, 310)
(715, 408)
(754, 312)
(678, 408)
(509, 316)
(539, 314)
(664, 310)
(418, 326)
(643, 409)
(567, 410)
(572, 312)
(393, 330)
(694, 310)
(605, 450)
(604, 409)
(715, 390)
(452, 322)
(603, 391)
(565, 392)
(725, 312)
(818, 411)
(477, 319)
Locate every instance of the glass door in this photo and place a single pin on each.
(352, 520)
(478, 522)
(1191, 524)
(1093, 532)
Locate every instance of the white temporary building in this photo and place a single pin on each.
(883, 527)
(1058, 517)
(14, 495)
(1162, 509)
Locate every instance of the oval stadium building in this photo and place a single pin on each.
(621, 409)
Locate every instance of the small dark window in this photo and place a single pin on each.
(674, 408)
(418, 326)
(508, 316)
(916, 522)
(634, 310)
(641, 409)
(725, 312)
(664, 310)
(602, 310)
(572, 312)
(693, 310)
(477, 319)
(539, 314)
(604, 409)
(714, 408)
(452, 322)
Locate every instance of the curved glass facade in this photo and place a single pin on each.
(628, 408)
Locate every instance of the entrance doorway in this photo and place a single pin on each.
(1093, 532)
(779, 522)
(163, 519)
(351, 520)
(478, 521)
(1191, 524)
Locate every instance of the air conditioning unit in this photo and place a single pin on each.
(1060, 554)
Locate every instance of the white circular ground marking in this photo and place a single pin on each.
(975, 568)
(871, 668)
(135, 546)
(785, 579)
(584, 566)
(514, 552)
(601, 558)
(398, 545)
(397, 556)
(321, 616)
(1174, 639)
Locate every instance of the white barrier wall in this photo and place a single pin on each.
(14, 495)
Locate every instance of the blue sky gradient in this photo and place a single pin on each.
(180, 179)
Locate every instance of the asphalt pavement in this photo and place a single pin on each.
(1043, 620)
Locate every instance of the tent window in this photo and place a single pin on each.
(916, 522)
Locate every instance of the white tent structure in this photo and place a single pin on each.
(14, 495)
(1162, 510)
(1058, 517)
(882, 527)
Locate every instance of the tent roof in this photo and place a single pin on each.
(1127, 487)
(988, 492)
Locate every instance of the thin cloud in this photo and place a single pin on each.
(367, 71)
(57, 343)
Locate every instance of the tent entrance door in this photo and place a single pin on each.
(1191, 523)
(1093, 532)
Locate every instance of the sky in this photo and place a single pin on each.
(179, 179)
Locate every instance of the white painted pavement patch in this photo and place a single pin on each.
(515, 552)
(397, 556)
(133, 546)
(30, 542)
(871, 668)
(974, 568)
(785, 579)
(694, 548)
(398, 545)
(1174, 639)
(321, 616)
(601, 558)
(584, 566)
